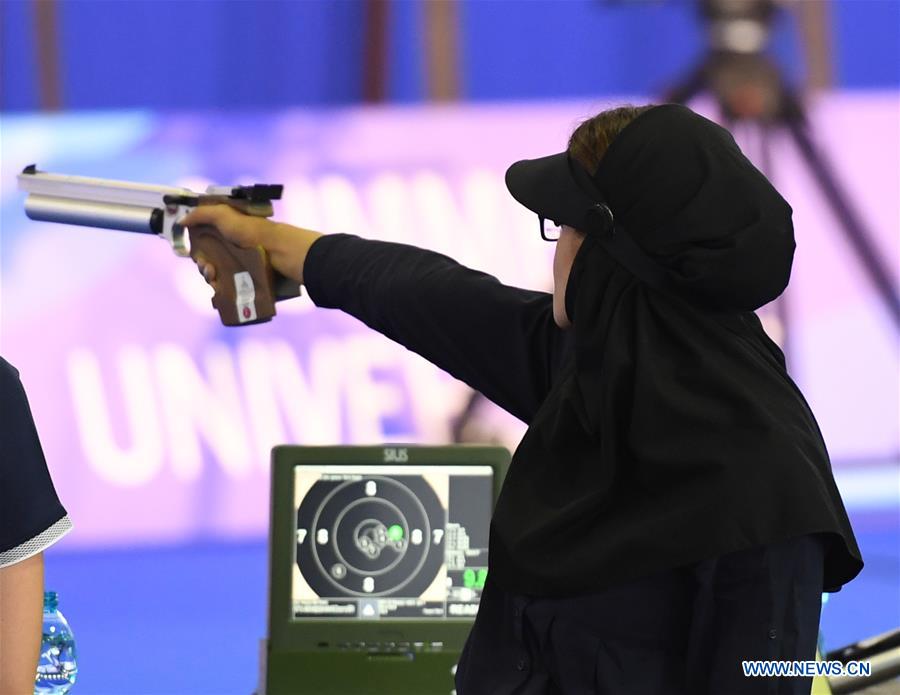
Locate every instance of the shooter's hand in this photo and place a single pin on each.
(287, 246)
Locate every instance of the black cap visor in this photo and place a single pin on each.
(548, 187)
(556, 188)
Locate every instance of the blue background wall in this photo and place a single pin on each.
(243, 53)
(187, 619)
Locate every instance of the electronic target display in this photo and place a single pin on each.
(376, 542)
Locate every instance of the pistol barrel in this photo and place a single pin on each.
(128, 218)
(95, 190)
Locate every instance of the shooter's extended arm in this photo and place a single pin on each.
(247, 288)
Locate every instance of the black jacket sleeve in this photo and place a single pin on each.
(28, 501)
(500, 340)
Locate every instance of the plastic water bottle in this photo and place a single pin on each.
(57, 669)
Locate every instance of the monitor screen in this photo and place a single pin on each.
(376, 542)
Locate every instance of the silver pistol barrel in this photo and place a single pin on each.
(128, 218)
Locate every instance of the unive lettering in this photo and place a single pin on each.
(158, 410)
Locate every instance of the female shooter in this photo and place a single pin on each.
(670, 511)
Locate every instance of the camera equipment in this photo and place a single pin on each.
(749, 86)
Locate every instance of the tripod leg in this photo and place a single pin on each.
(852, 226)
(780, 306)
(695, 83)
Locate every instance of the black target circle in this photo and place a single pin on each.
(370, 536)
(341, 509)
(368, 547)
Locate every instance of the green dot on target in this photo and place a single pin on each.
(395, 532)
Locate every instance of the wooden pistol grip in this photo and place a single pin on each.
(244, 279)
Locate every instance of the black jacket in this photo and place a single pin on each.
(31, 516)
(601, 507)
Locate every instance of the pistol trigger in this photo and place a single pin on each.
(178, 240)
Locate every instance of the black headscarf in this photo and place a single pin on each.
(681, 188)
(673, 433)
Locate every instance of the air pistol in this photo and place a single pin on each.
(248, 286)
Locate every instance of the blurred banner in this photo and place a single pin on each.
(157, 421)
